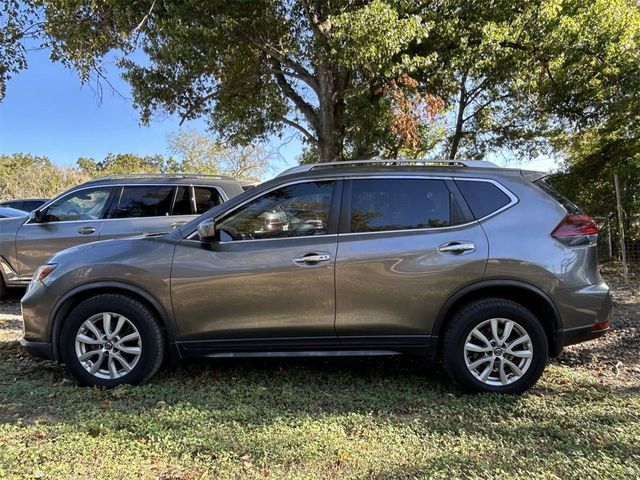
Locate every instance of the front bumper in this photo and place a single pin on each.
(38, 349)
(37, 305)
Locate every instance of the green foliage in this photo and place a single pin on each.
(126, 163)
(25, 176)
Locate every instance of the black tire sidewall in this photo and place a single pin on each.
(468, 318)
(138, 314)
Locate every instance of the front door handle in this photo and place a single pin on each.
(312, 258)
(457, 248)
(86, 230)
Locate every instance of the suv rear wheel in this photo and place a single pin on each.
(495, 345)
(109, 340)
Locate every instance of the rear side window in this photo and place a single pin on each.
(483, 198)
(206, 198)
(569, 206)
(399, 204)
(146, 201)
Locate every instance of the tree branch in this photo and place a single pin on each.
(300, 128)
(485, 105)
(301, 73)
(298, 101)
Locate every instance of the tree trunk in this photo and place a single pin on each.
(462, 105)
(330, 115)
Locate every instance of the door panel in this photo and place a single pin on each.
(144, 209)
(254, 289)
(408, 244)
(269, 280)
(395, 283)
(71, 220)
(36, 243)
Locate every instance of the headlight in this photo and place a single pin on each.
(43, 271)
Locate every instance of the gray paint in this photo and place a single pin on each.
(386, 291)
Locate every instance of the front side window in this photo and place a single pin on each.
(292, 211)
(88, 204)
(145, 201)
(399, 204)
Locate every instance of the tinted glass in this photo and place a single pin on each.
(399, 204)
(483, 198)
(151, 201)
(292, 211)
(183, 204)
(17, 205)
(206, 198)
(29, 205)
(88, 204)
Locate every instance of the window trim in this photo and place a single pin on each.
(120, 186)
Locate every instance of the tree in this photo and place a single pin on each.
(202, 154)
(526, 76)
(125, 163)
(23, 176)
(253, 67)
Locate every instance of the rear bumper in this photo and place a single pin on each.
(571, 336)
(585, 314)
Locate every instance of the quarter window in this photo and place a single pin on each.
(482, 197)
(206, 198)
(399, 204)
(151, 201)
(292, 211)
(87, 204)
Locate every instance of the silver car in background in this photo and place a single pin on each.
(486, 268)
(109, 207)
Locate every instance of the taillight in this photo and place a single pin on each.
(575, 229)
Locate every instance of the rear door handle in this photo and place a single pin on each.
(86, 230)
(311, 258)
(457, 248)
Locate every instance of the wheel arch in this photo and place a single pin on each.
(74, 297)
(527, 295)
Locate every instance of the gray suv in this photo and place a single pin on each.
(108, 207)
(486, 268)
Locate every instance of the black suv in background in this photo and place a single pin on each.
(105, 208)
(26, 204)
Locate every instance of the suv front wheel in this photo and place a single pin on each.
(495, 345)
(111, 339)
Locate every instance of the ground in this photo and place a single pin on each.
(316, 418)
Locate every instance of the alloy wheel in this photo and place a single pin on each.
(498, 352)
(108, 345)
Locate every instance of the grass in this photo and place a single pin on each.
(315, 418)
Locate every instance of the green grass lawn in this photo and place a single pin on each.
(315, 418)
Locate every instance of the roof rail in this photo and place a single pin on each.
(159, 175)
(391, 162)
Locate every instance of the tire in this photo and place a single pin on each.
(476, 365)
(135, 340)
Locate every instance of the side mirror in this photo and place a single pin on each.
(37, 216)
(207, 230)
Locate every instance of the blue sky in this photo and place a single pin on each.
(48, 112)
